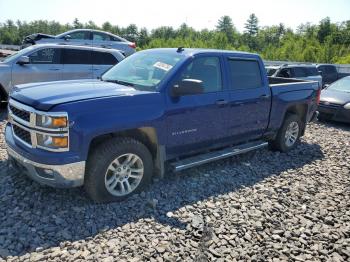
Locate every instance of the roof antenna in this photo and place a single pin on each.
(180, 49)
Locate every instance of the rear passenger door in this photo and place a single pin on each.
(76, 64)
(250, 101)
(100, 39)
(79, 38)
(101, 62)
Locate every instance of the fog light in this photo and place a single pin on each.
(52, 142)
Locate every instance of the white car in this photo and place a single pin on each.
(85, 37)
(52, 62)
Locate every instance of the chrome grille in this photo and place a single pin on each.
(22, 134)
(22, 114)
(23, 119)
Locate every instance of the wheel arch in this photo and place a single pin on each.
(299, 110)
(146, 135)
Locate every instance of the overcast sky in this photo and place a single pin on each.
(198, 14)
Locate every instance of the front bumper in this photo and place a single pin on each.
(339, 114)
(63, 176)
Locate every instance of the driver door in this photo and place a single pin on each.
(45, 65)
(196, 121)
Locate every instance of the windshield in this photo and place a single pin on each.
(17, 54)
(341, 85)
(143, 70)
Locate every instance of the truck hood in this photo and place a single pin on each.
(334, 96)
(43, 96)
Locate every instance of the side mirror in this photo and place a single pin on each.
(320, 73)
(187, 87)
(67, 37)
(23, 60)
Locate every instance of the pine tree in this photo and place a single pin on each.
(252, 25)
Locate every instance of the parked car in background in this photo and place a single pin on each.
(52, 62)
(85, 37)
(270, 70)
(161, 107)
(305, 72)
(335, 101)
(330, 73)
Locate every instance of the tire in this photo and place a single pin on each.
(281, 143)
(109, 164)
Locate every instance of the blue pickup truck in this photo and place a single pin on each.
(157, 109)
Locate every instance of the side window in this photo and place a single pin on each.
(100, 37)
(322, 69)
(100, 58)
(80, 35)
(76, 56)
(311, 71)
(299, 72)
(206, 69)
(244, 74)
(45, 56)
(115, 39)
(331, 70)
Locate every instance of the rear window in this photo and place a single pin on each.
(305, 71)
(299, 72)
(101, 58)
(244, 74)
(311, 71)
(77, 57)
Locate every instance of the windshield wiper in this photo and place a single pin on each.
(119, 82)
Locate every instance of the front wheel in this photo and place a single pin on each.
(288, 135)
(117, 169)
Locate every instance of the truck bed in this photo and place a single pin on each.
(280, 80)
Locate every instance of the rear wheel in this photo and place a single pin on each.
(288, 135)
(117, 169)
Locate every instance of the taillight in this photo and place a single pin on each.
(318, 97)
(132, 45)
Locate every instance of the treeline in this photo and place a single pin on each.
(325, 42)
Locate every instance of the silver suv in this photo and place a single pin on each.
(84, 37)
(52, 62)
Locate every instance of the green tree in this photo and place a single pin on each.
(324, 30)
(77, 24)
(225, 25)
(252, 25)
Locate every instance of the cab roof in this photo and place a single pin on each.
(196, 51)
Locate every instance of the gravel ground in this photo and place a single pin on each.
(262, 206)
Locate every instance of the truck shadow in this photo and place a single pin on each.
(45, 217)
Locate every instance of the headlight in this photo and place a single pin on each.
(53, 122)
(347, 106)
(52, 141)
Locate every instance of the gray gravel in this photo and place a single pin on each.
(263, 206)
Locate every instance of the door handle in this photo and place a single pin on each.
(264, 96)
(54, 69)
(221, 102)
(239, 103)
